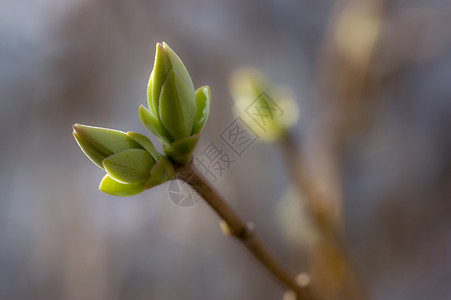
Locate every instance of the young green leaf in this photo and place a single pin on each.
(203, 100)
(114, 188)
(161, 172)
(129, 166)
(161, 69)
(178, 66)
(177, 106)
(153, 125)
(146, 143)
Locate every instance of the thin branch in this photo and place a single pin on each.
(323, 215)
(237, 228)
(329, 250)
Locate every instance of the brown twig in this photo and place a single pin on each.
(237, 228)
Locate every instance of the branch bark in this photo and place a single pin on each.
(238, 229)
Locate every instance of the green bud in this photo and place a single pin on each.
(165, 61)
(130, 159)
(177, 112)
(99, 143)
(247, 85)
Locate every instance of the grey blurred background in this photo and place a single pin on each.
(83, 61)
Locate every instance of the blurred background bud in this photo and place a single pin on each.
(255, 97)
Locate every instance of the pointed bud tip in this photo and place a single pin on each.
(142, 109)
(207, 90)
(161, 46)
